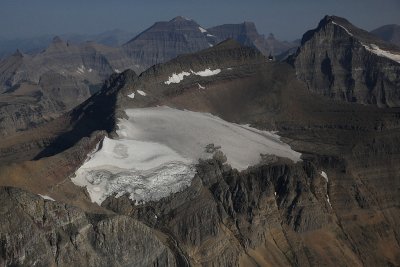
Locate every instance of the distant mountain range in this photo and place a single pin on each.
(40, 86)
(33, 45)
(389, 33)
(57, 75)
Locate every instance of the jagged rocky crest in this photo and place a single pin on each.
(343, 62)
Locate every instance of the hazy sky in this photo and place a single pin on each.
(287, 19)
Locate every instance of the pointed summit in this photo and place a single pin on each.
(179, 19)
(18, 53)
(340, 48)
(57, 40)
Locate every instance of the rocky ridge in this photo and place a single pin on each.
(346, 63)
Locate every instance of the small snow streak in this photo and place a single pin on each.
(207, 72)
(323, 174)
(46, 197)
(177, 77)
(342, 28)
(131, 95)
(140, 92)
(202, 30)
(81, 69)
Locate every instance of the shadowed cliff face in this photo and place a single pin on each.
(343, 62)
(338, 206)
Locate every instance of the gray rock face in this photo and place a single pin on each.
(247, 34)
(38, 232)
(38, 88)
(166, 40)
(334, 60)
(389, 33)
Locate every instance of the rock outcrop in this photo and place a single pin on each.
(39, 232)
(343, 62)
(38, 88)
(247, 34)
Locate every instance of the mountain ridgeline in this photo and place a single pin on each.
(341, 61)
(40, 86)
(337, 205)
(389, 33)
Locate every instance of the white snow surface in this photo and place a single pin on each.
(132, 95)
(202, 30)
(343, 28)
(200, 86)
(117, 71)
(329, 202)
(207, 72)
(178, 77)
(140, 92)
(81, 69)
(46, 197)
(382, 53)
(323, 174)
(158, 148)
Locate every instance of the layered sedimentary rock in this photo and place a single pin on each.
(343, 62)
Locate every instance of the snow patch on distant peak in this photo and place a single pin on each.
(81, 69)
(382, 53)
(46, 197)
(140, 92)
(210, 45)
(210, 35)
(328, 200)
(342, 28)
(117, 71)
(207, 72)
(200, 86)
(177, 77)
(132, 95)
(202, 30)
(323, 174)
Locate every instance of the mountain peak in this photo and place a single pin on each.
(180, 19)
(18, 53)
(57, 40)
